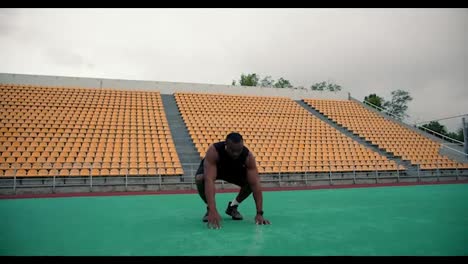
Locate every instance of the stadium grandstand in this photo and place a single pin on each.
(62, 134)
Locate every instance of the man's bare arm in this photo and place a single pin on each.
(254, 181)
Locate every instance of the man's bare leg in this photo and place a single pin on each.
(201, 186)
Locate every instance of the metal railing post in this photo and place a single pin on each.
(192, 176)
(14, 181)
(330, 172)
(279, 174)
(160, 186)
(398, 172)
(376, 173)
(437, 171)
(146, 167)
(53, 184)
(126, 181)
(305, 172)
(354, 171)
(419, 173)
(91, 170)
(91, 182)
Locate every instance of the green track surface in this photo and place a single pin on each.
(426, 220)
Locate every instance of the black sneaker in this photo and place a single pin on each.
(205, 218)
(232, 211)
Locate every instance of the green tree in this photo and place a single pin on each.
(437, 127)
(267, 82)
(282, 83)
(457, 135)
(333, 87)
(375, 100)
(325, 86)
(249, 80)
(398, 104)
(318, 86)
(253, 79)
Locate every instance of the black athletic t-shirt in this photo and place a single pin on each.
(227, 166)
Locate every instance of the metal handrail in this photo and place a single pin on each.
(463, 153)
(281, 177)
(452, 139)
(380, 108)
(445, 118)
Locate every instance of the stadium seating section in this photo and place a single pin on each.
(284, 136)
(387, 134)
(72, 131)
(49, 131)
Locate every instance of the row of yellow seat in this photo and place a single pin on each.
(89, 172)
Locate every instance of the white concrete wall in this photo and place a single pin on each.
(165, 87)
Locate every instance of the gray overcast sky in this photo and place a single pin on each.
(423, 51)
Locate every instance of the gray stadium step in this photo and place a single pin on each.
(183, 143)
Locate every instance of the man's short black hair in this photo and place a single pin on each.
(234, 137)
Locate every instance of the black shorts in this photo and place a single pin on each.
(239, 180)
